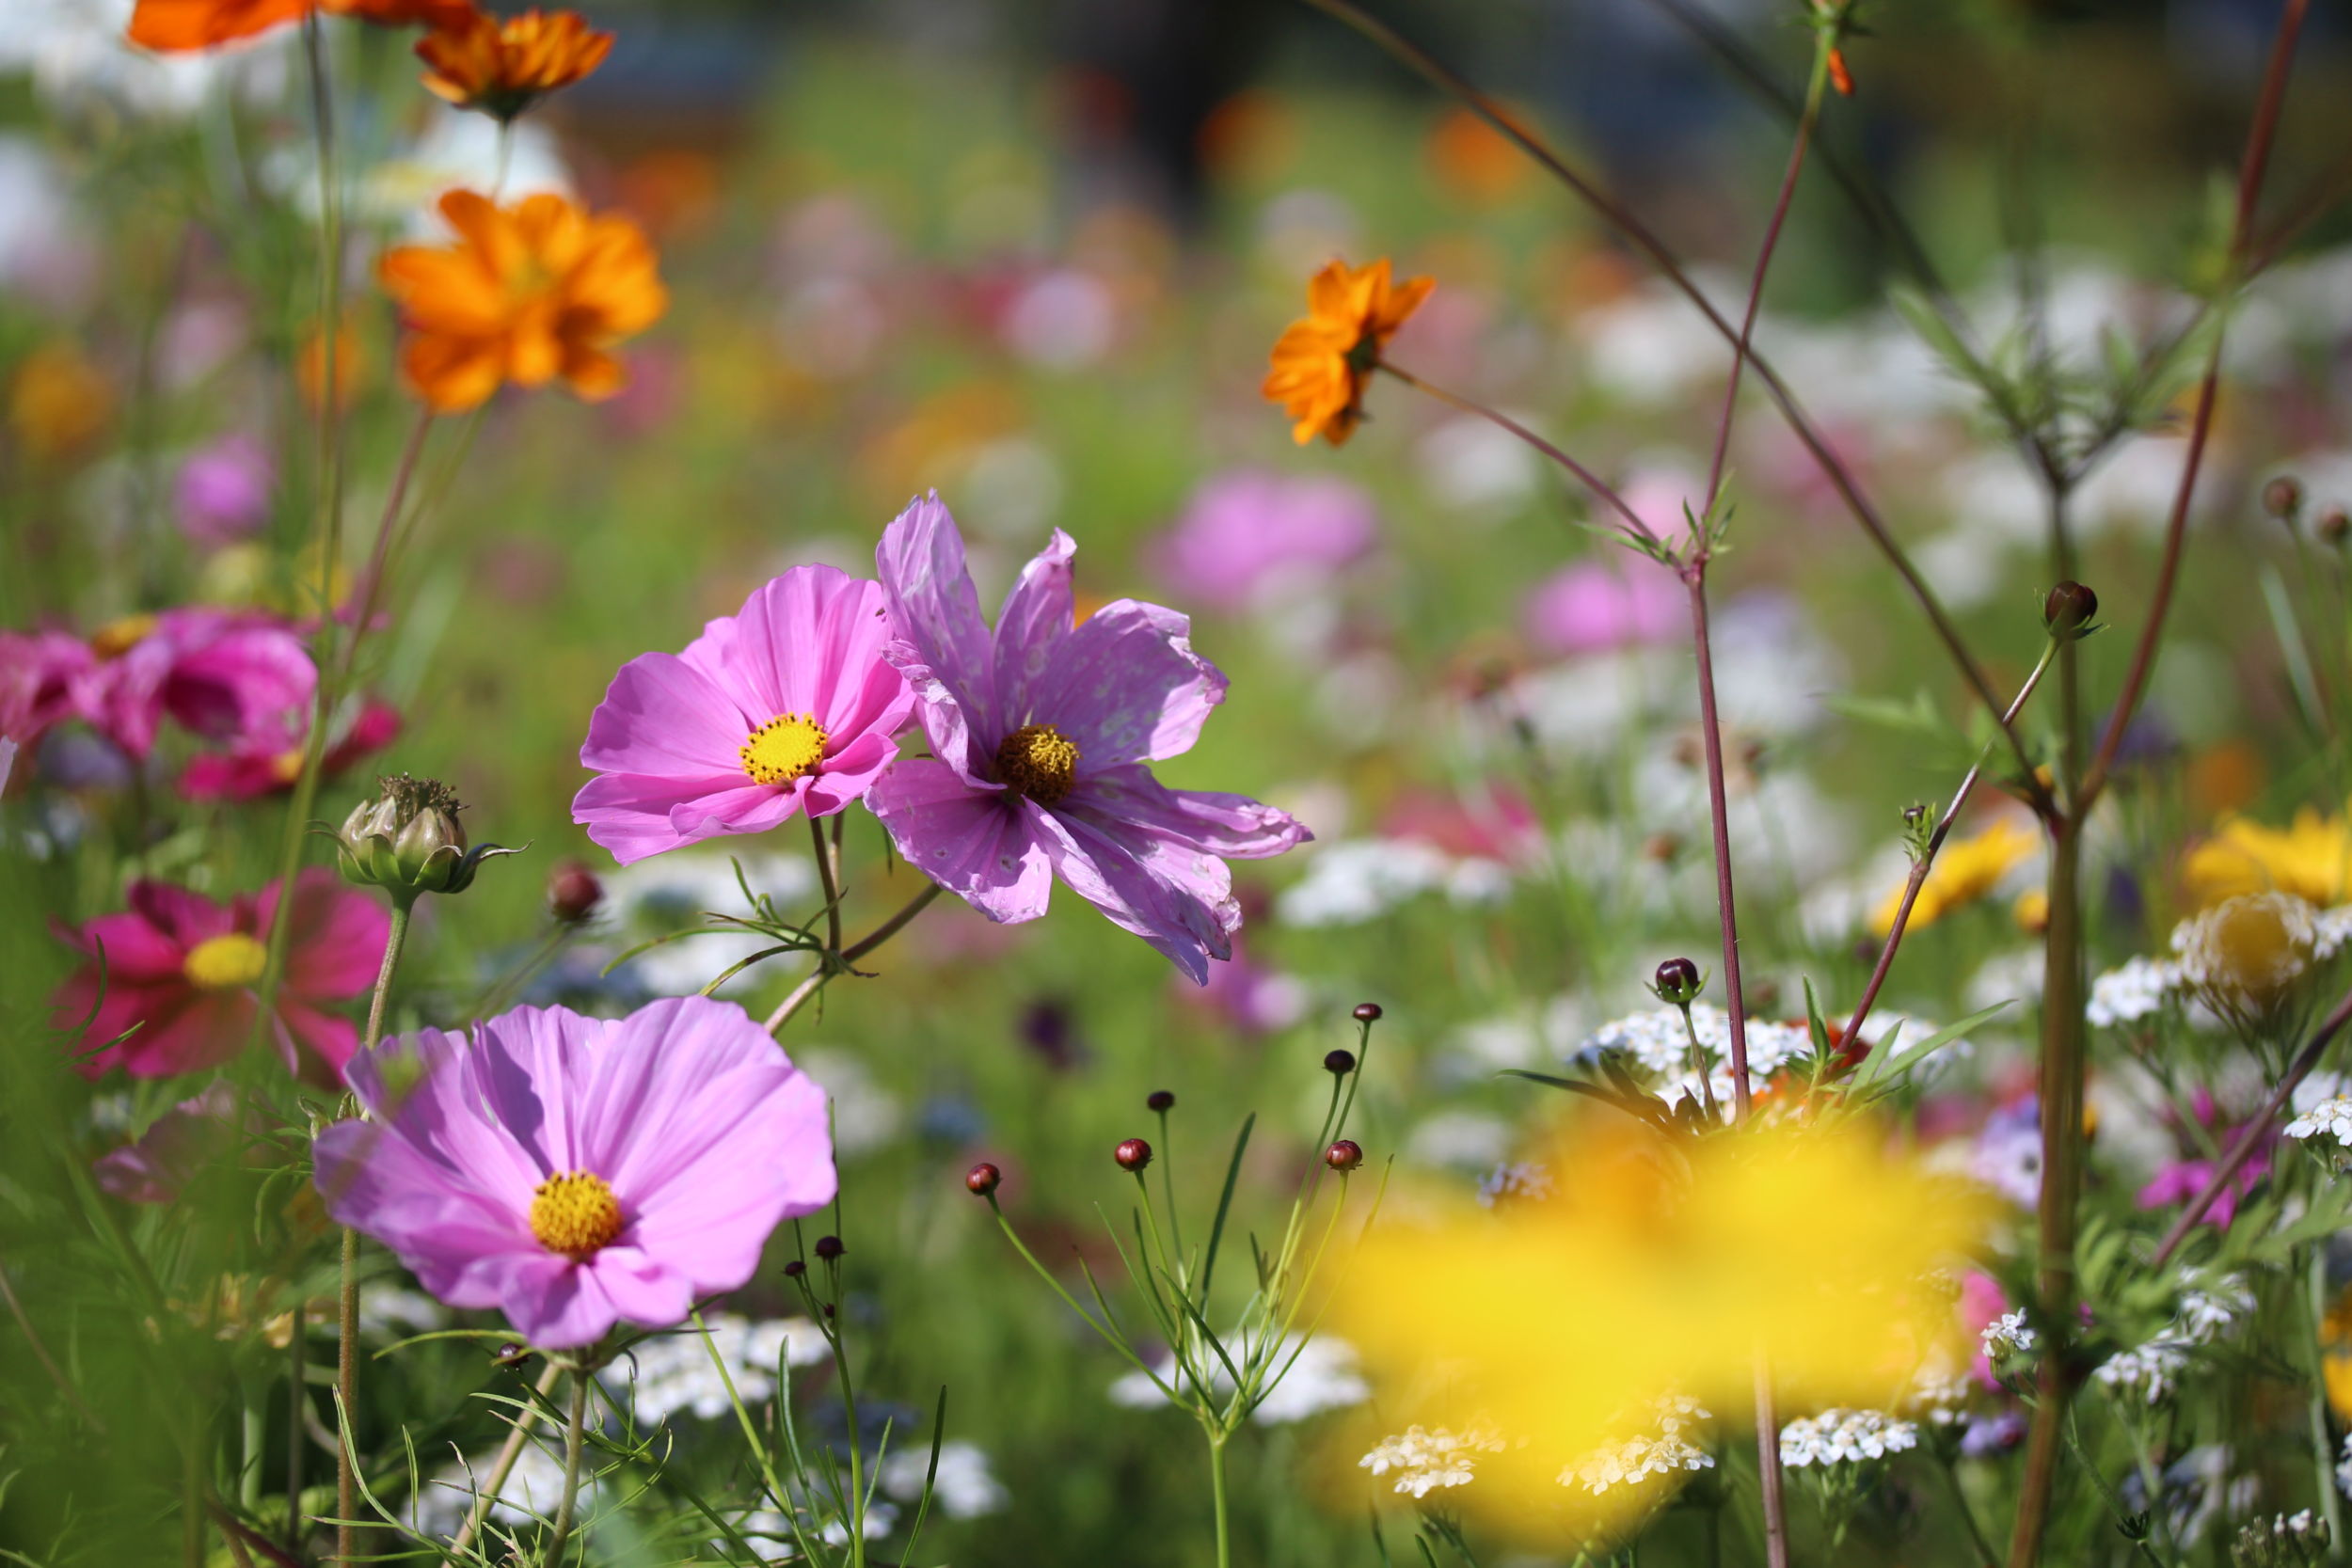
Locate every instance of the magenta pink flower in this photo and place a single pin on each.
(240, 679)
(788, 707)
(1247, 535)
(250, 775)
(184, 971)
(1040, 731)
(42, 677)
(222, 493)
(1596, 606)
(2183, 1180)
(576, 1172)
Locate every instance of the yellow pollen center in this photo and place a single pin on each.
(783, 749)
(1037, 761)
(575, 1213)
(220, 963)
(116, 638)
(286, 767)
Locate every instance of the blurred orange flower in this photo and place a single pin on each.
(527, 294)
(499, 65)
(58, 401)
(351, 364)
(175, 27)
(1324, 361)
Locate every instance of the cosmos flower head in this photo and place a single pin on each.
(575, 1173)
(786, 706)
(502, 65)
(180, 26)
(1323, 363)
(173, 980)
(241, 679)
(532, 293)
(1041, 730)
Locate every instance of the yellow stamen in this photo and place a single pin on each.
(116, 638)
(783, 749)
(574, 1213)
(286, 767)
(224, 962)
(1037, 761)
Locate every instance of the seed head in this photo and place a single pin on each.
(795, 1269)
(1132, 1154)
(1344, 1156)
(982, 1179)
(2334, 526)
(2282, 497)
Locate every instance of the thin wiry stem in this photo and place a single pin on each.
(815, 982)
(502, 1466)
(575, 1432)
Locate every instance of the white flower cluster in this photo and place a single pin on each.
(2008, 1335)
(2344, 1468)
(2209, 1309)
(672, 1371)
(2330, 1119)
(1521, 1180)
(1658, 1041)
(2146, 1374)
(2134, 992)
(1356, 880)
(1425, 1460)
(965, 1487)
(1940, 1392)
(1319, 1375)
(1845, 1438)
(1664, 1453)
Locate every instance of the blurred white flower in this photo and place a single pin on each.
(1425, 1459)
(1845, 1438)
(671, 1372)
(965, 1487)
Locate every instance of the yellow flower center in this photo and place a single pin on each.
(286, 767)
(220, 963)
(783, 749)
(116, 638)
(575, 1213)
(1037, 761)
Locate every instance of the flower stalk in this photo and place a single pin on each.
(575, 1432)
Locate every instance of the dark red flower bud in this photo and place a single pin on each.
(2068, 607)
(2282, 497)
(1338, 1063)
(1679, 981)
(573, 892)
(512, 1354)
(1344, 1156)
(1367, 1012)
(2333, 526)
(982, 1179)
(1161, 1101)
(1133, 1154)
(829, 1247)
(795, 1269)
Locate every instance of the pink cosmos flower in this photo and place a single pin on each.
(785, 708)
(574, 1172)
(222, 493)
(42, 675)
(173, 1152)
(2183, 1180)
(1247, 535)
(250, 775)
(1596, 606)
(1039, 732)
(183, 969)
(240, 679)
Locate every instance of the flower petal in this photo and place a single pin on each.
(976, 843)
(941, 646)
(1126, 686)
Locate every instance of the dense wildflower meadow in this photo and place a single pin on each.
(766, 798)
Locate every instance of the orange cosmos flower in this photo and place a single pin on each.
(527, 294)
(176, 27)
(1324, 361)
(499, 66)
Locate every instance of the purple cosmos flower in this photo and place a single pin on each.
(1248, 535)
(1596, 606)
(785, 708)
(574, 1172)
(1039, 732)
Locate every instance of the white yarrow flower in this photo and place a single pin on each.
(2331, 1119)
(2134, 992)
(2146, 1374)
(1845, 1438)
(1424, 1460)
(2008, 1335)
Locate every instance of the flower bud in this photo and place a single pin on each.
(574, 894)
(406, 840)
(1344, 1156)
(1678, 981)
(1161, 1101)
(2282, 497)
(1367, 1012)
(982, 1179)
(2069, 609)
(828, 1248)
(2334, 526)
(795, 1269)
(1132, 1154)
(1339, 1063)
(512, 1354)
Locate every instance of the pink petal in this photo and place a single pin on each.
(188, 918)
(1232, 826)
(634, 815)
(749, 808)
(1180, 903)
(851, 771)
(942, 646)
(339, 937)
(664, 718)
(1126, 686)
(977, 844)
(1038, 618)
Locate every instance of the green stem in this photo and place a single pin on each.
(856, 950)
(1217, 1491)
(829, 877)
(1986, 1556)
(2323, 1451)
(297, 1406)
(503, 1467)
(574, 1431)
(347, 1295)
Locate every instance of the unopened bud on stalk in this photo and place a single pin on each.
(1161, 1101)
(828, 1248)
(1367, 1012)
(574, 894)
(1678, 981)
(512, 1354)
(2282, 497)
(982, 1179)
(406, 840)
(2068, 611)
(1344, 1156)
(2334, 526)
(1132, 1154)
(1338, 1063)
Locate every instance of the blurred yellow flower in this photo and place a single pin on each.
(1965, 870)
(1662, 1271)
(58, 401)
(2308, 860)
(502, 65)
(2335, 1353)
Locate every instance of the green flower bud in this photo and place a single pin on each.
(407, 841)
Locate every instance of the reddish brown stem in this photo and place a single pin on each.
(2259, 139)
(1719, 823)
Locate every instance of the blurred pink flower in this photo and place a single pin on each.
(250, 775)
(1981, 1301)
(786, 706)
(1040, 731)
(1595, 605)
(1247, 535)
(42, 675)
(178, 974)
(2184, 1179)
(222, 493)
(576, 1172)
(1252, 999)
(172, 1152)
(241, 678)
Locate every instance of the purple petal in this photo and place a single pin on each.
(941, 646)
(1039, 615)
(1179, 900)
(1126, 686)
(634, 815)
(1232, 826)
(976, 843)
